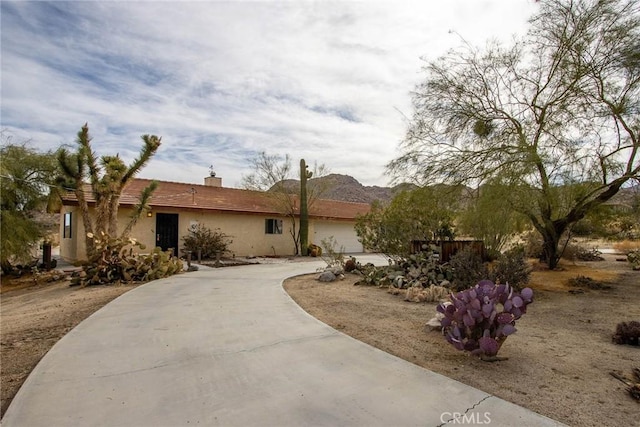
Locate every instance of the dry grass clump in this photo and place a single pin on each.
(626, 246)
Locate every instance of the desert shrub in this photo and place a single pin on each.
(578, 252)
(350, 265)
(431, 294)
(626, 246)
(570, 251)
(114, 261)
(208, 241)
(468, 268)
(533, 245)
(587, 282)
(634, 259)
(332, 254)
(584, 254)
(480, 319)
(627, 333)
(512, 268)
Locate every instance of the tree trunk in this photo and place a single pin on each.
(550, 251)
(551, 235)
(86, 218)
(295, 235)
(304, 209)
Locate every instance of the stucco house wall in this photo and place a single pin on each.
(239, 213)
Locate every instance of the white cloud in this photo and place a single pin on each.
(327, 81)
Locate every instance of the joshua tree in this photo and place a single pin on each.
(107, 180)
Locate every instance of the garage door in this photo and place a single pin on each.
(343, 233)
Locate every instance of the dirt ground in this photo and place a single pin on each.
(559, 359)
(34, 317)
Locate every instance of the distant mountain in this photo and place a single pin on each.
(347, 189)
(627, 197)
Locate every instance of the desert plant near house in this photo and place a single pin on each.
(114, 261)
(332, 254)
(108, 177)
(480, 319)
(512, 268)
(207, 241)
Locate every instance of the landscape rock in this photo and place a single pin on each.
(327, 276)
(434, 323)
(335, 270)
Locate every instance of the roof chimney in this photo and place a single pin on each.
(211, 180)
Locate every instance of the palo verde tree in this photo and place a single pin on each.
(273, 174)
(555, 115)
(424, 214)
(487, 217)
(107, 179)
(25, 182)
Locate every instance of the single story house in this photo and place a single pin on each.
(251, 218)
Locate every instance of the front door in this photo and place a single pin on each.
(167, 231)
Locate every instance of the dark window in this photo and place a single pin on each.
(67, 226)
(273, 226)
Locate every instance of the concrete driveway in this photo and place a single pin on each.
(229, 347)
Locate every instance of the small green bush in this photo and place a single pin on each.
(208, 241)
(512, 268)
(468, 269)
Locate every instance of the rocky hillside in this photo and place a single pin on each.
(348, 189)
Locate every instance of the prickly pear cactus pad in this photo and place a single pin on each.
(480, 319)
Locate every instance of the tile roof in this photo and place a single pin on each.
(221, 199)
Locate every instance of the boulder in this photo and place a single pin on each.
(327, 276)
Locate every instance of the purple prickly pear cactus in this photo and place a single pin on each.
(480, 319)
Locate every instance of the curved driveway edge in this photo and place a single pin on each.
(229, 347)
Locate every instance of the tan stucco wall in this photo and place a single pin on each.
(246, 231)
(71, 248)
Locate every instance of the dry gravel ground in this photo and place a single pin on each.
(559, 360)
(33, 317)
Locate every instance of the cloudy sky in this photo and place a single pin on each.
(328, 81)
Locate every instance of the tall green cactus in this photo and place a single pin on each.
(304, 209)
